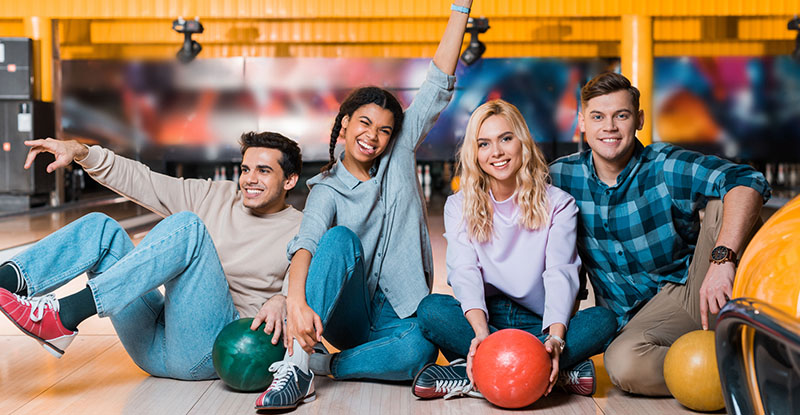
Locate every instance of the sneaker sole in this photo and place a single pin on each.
(414, 385)
(307, 399)
(51, 348)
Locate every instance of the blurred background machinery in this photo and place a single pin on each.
(715, 76)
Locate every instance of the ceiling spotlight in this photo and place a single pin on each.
(190, 48)
(794, 24)
(475, 49)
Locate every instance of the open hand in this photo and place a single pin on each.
(273, 314)
(65, 152)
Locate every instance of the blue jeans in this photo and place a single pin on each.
(444, 324)
(375, 343)
(167, 335)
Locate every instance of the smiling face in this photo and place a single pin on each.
(366, 134)
(499, 155)
(262, 180)
(610, 123)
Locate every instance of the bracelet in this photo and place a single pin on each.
(460, 9)
(561, 342)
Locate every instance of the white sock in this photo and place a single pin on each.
(300, 357)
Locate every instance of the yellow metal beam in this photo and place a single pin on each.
(766, 28)
(12, 28)
(378, 50)
(731, 48)
(355, 31)
(41, 31)
(637, 65)
(354, 9)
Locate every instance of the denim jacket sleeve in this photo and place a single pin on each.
(318, 216)
(433, 96)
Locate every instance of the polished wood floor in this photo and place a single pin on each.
(96, 376)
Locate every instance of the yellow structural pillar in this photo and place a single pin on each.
(637, 65)
(41, 31)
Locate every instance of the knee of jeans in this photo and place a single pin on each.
(418, 350)
(338, 237)
(99, 219)
(427, 310)
(185, 217)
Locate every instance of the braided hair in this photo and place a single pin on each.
(357, 99)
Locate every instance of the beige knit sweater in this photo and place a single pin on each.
(252, 249)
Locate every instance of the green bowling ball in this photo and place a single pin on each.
(242, 356)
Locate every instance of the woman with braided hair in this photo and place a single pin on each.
(361, 262)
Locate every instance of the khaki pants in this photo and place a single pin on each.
(635, 359)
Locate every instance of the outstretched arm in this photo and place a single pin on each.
(65, 152)
(157, 192)
(446, 57)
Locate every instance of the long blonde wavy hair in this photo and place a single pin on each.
(532, 177)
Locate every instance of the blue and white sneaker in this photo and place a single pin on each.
(435, 381)
(290, 387)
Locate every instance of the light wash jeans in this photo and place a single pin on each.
(443, 322)
(375, 343)
(166, 335)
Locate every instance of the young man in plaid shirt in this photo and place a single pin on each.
(640, 234)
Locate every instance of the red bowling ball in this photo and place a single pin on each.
(511, 368)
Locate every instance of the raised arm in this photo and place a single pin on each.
(437, 90)
(446, 57)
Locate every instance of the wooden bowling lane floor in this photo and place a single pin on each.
(25, 228)
(96, 376)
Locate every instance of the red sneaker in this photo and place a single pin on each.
(38, 317)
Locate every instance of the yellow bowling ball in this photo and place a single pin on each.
(691, 374)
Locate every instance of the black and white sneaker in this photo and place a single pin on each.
(290, 387)
(435, 381)
(580, 380)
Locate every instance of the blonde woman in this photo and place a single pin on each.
(511, 260)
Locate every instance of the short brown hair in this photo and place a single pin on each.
(607, 83)
(292, 160)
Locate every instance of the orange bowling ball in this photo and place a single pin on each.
(511, 368)
(768, 268)
(691, 373)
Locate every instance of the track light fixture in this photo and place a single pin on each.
(475, 49)
(794, 24)
(190, 48)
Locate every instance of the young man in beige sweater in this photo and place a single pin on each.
(220, 254)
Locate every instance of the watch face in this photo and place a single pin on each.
(719, 253)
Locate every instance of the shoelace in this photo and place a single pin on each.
(570, 377)
(282, 374)
(39, 305)
(453, 387)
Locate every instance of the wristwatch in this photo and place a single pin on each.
(722, 254)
